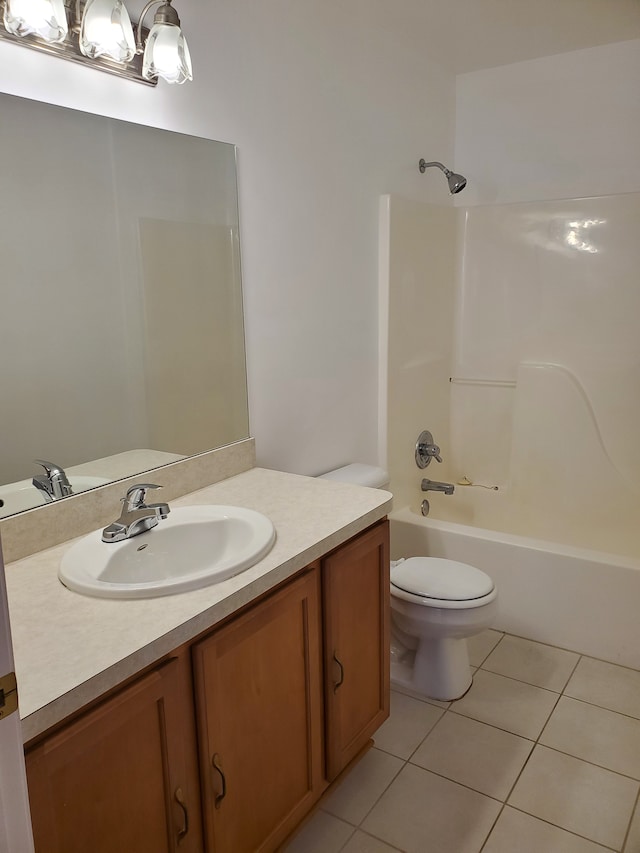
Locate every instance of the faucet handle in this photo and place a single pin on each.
(426, 450)
(434, 451)
(136, 495)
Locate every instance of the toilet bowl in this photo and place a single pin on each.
(435, 605)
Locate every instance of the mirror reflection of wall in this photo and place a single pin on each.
(121, 328)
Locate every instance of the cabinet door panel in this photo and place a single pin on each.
(258, 689)
(107, 782)
(356, 622)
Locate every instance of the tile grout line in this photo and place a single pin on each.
(355, 829)
(564, 829)
(413, 752)
(573, 672)
(490, 652)
(374, 837)
(455, 782)
(533, 742)
(384, 791)
(493, 726)
(557, 648)
(628, 832)
(536, 743)
(635, 779)
(521, 681)
(551, 646)
(579, 758)
(492, 827)
(450, 708)
(503, 803)
(407, 761)
(601, 707)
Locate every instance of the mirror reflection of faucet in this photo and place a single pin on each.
(54, 483)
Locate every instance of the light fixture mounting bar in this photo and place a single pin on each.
(70, 49)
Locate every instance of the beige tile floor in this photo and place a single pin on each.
(541, 756)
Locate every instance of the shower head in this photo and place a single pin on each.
(456, 182)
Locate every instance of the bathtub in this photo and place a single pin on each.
(578, 599)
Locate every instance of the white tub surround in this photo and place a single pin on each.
(70, 649)
(570, 597)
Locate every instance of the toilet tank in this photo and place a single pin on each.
(359, 475)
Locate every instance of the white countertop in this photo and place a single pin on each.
(70, 648)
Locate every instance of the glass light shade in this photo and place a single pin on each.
(166, 55)
(106, 31)
(44, 18)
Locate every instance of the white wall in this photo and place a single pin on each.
(564, 126)
(330, 105)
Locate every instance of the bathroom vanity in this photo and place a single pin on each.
(212, 720)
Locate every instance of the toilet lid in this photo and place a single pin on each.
(446, 580)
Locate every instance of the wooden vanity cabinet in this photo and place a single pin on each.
(287, 693)
(258, 687)
(356, 610)
(123, 776)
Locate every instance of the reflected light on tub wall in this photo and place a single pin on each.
(99, 33)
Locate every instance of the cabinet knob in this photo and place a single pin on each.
(215, 761)
(341, 679)
(179, 798)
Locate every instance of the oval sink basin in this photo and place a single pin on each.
(193, 547)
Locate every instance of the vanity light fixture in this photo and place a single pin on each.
(45, 19)
(99, 33)
(105, 30)
(166, 53)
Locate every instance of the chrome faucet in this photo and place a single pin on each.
(435, 486)
(136, 516)
(53, 483)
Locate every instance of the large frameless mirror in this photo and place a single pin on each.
(121, 330)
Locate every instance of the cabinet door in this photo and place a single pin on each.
(356, 602)
(122, 777)
(259, 709)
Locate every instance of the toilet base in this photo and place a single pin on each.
(438, 670)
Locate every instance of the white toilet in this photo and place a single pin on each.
(435, 605)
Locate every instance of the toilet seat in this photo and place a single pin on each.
(437, 582)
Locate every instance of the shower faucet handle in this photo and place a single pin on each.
(426, 450)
